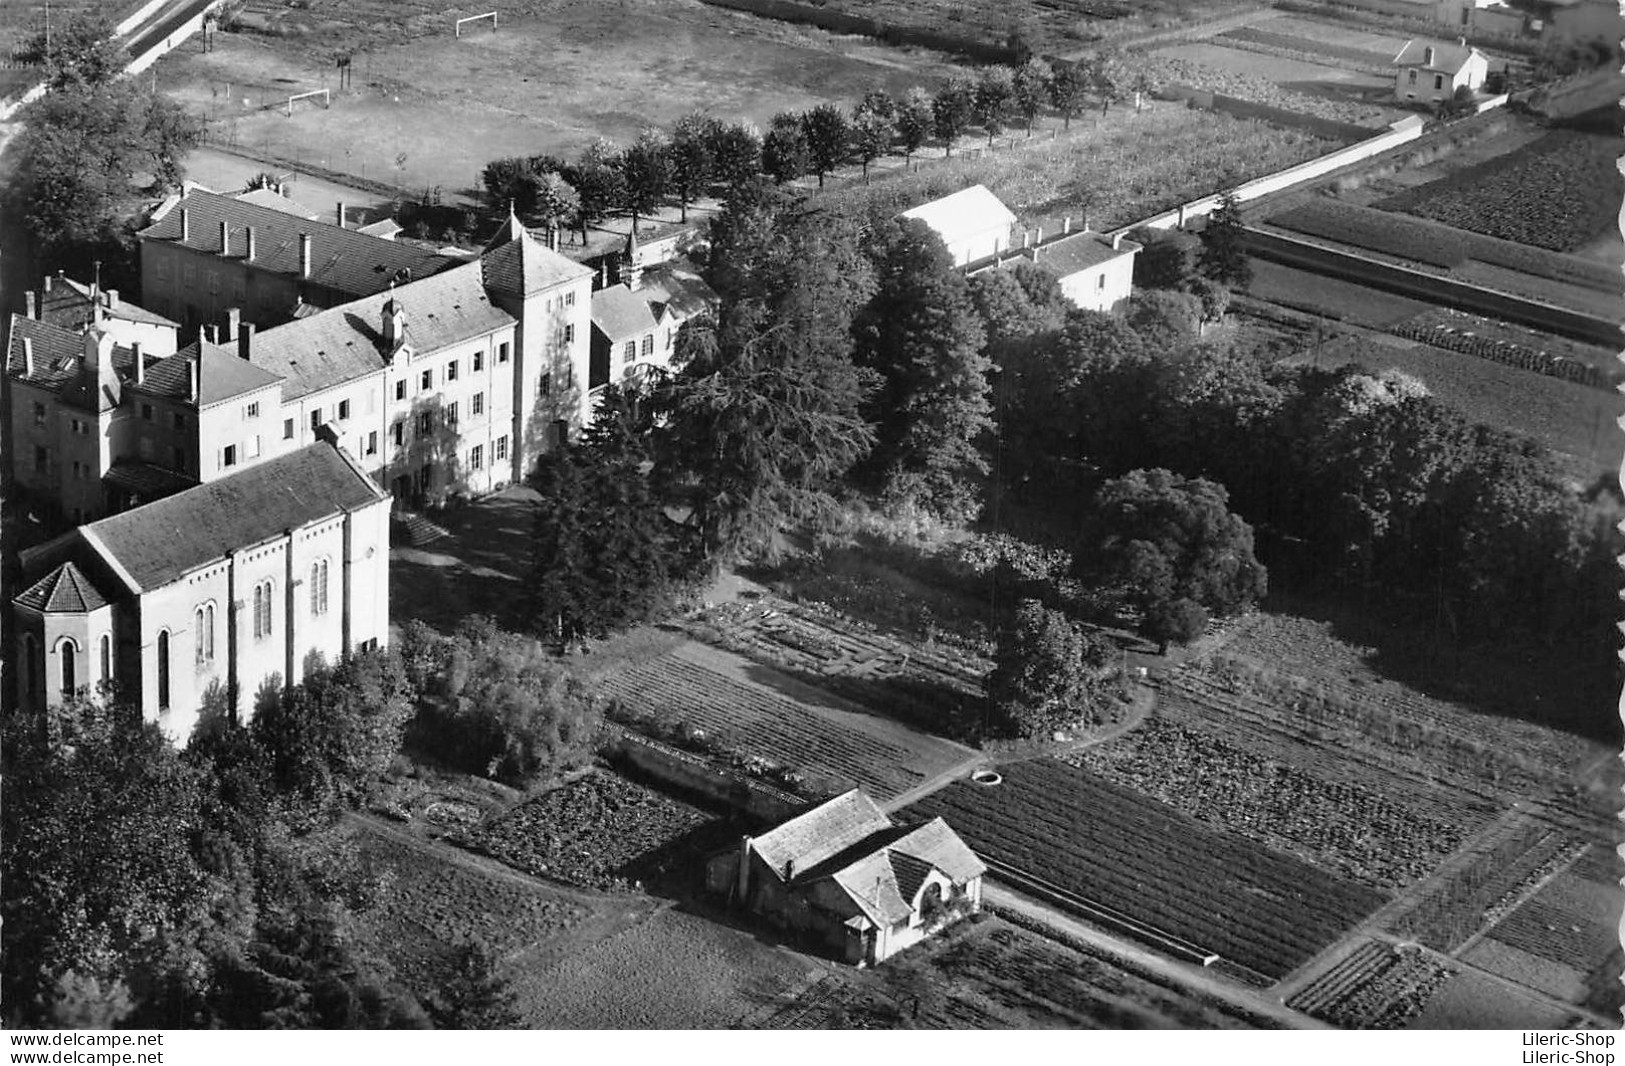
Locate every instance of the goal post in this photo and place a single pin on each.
(492, 15)
(326, 100)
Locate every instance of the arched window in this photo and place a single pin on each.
(203, 632)
(262, 609)
(107, 657)
(68, 650)
(163, 670)
(318, 587)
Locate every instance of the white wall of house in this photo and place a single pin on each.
(1101, 287)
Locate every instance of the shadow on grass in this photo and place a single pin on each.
(912, 701)
(481, 567)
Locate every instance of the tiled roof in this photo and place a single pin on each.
(678, 286)
(828, 829)
(1448, 57)
(1068, 255)
(148, 481)
(346, 260)
(516, 262)
(384, 228)
(964, 213)
(346, 342)
(276, 202)
(222, 374)
(68, 304)
(161, 541)
(58, 355)
(935, 844)
(619, 313)
(888, 870)
(65, 590)
(872, 884)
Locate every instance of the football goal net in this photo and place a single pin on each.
(311, 96)
(492, 15)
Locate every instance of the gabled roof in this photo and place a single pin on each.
(620, 313)
(384, 229)
(515, 262)
(827, 830)
(347, 342)
(58, 355)
(1448, 57)
(65, 590)
(276, 202)
(1076, 252)
(342, 259)
(679, 287)
(937, 845)
(222, 375)
(964, 213)
(885, 872)
(67, 303)
(160, 542)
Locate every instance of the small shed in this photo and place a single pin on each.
(1430, 72)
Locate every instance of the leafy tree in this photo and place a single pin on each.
(762, 419)
(645, 174)
(1030, 90)
(1067, 85)
(785, 155)
(991, 101)
(1223, 257)
(952, 108)
(512, 180)
(1141, 85)
(476, 995)
(1163, 538)
(1167, 258)
(736, 150)
(1105, 76)
(562, 593)
(872, 133)
(554, 201)
(828, 138)
(597, 180)
(692, 156)
(1048, 673)
(878, 102)
(915, 119)
(921, 336)
(1016, 305)
(1162, 318)
(76, 55)
(1215, 298)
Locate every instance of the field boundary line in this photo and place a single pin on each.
(1522, 898)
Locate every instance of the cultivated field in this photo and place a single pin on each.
(1560, 192)
(1330, 297)
(1324, 86)
(550, 83)
(991, 974)
(1262, 910)
(763, 713)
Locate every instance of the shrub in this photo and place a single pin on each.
(1048, 673)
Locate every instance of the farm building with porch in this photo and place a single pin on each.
(844, 874)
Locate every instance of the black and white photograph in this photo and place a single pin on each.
(651, 515)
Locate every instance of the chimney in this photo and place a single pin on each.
(603, 273)
(1180, 222)
(1038, 238)
(341, 214)
(248, 253)
(1117, 242)
(304, 255)
(1026, 238)
(186, 225)
(191, 377)
(1066, 225)
(225, 238)
(553, 238)
(48, 280)
(1086, 222)
(209, 332)
(28, 357)
(234, 321)
(31, 303)
(110, 297)
(140, 363)
(245, 341)
(201, 335)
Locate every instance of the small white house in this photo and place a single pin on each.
(1430, 72)
(972, 222)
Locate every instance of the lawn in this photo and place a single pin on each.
(1560, 192)
(1330, 297)
(1319, 88)
(551, 83)
(1258, 908)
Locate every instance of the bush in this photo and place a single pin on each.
(1048, 673)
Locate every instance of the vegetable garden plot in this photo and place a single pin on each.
(1293, 46)
(1118, 848)
(761, 722)
(1330, 297)
(599, 832)
(1375, 987)
(1559, 192)
(1353, 830)
(1364, 227)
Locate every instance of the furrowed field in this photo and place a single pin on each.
(1261, 909)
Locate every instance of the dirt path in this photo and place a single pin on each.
(1193, 978)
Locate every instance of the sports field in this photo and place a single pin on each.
(551, 82)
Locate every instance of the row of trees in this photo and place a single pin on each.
(700, 152)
